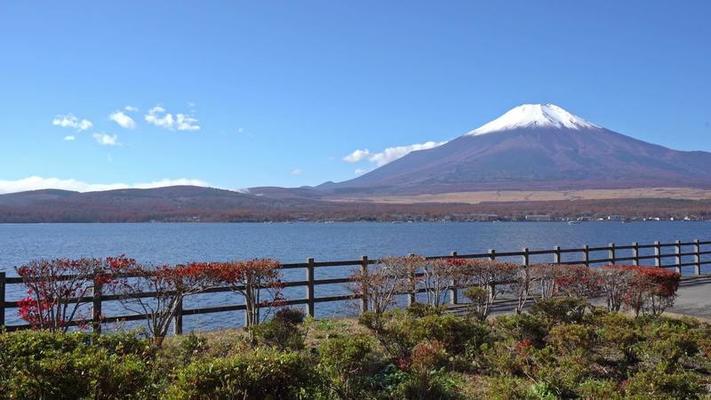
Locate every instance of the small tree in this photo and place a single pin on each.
(439, 276)
(383, 282)
(521, 287)
(169, 285)
(479, 298)
(651, 290)
(495, 278)
(543, 280)
(58, 289)
(251, 279)
(614, 282)
(577, 280)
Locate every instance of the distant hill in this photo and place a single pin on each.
(167, 203)
(198, 204)
(534, 147)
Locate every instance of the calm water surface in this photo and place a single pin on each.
(175, 243)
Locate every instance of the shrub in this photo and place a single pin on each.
(349, 364)
(278, 333)
(508, 388)
(576, 280)
(594, 389)
(428, 355)
(52, 283)
(494, 277)
(532, 328)
(614, 283)
(658, 384)
(439, 276)
(292, 316)
(479, 298)
(651, 290)
(435, 384)
(251, 279)
(668, 343)
(569, 338)
(617, 337)
(563, 373)
(455, 333)
(262, 374)
(44, 365)
(391, 276)
(423, 310)
(561, 310)
(170, 285)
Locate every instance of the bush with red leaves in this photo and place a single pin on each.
(252, 279)
(168, 284)
(58, 290)
(651, 290)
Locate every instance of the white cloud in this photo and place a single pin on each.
(357, 155)
(390, 154)
(296, 172)
(70, 121)
(186, 123)
(122, 119)
(160, 117)
(106, 139)
(70, 138)
(38, 183)
(360, 171)
(131, 108)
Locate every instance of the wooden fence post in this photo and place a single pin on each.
(412, 293)
(364, 286)
(310, 303)
(586, 255)
(178, 318)
(657, 254)
(612, 254)
(453, 293)
(635, 253)
(96, 305)
(697, 257)
(556, 255)
(677, 255)
(2, 300)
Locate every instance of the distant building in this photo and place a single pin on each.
(539, 218)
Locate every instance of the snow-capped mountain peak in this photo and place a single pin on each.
(534, 116)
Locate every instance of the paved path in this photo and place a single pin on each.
(694, 298)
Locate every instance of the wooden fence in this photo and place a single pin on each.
(590, 256)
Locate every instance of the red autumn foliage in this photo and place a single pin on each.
(651, 290)
(169, 285)
(58, 289)
(251, 279)
(576, 280)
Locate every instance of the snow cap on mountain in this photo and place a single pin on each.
(534, 116)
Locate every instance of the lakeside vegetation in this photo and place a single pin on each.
(561, 347)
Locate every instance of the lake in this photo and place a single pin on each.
(295, 242)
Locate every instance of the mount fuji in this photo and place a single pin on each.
(534, 147)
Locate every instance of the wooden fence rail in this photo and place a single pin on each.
(613, 253)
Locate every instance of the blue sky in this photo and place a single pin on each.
(240, 94)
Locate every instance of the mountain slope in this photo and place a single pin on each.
(180, 203)
(535, 147)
